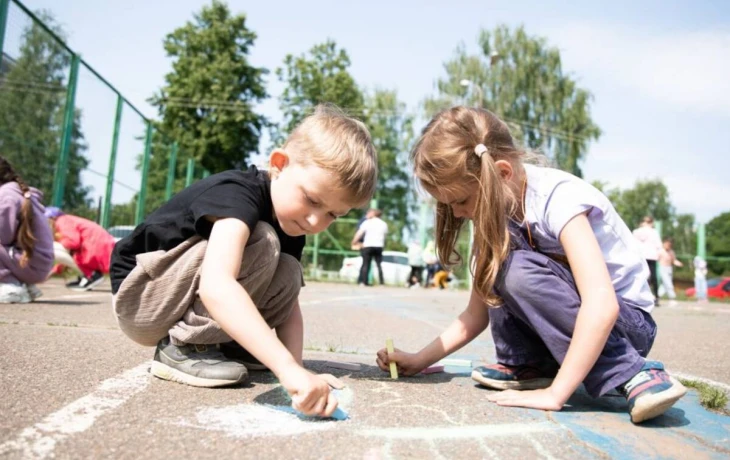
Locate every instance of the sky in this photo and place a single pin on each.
(659, 71)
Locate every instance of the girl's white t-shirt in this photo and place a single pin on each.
(554, 197)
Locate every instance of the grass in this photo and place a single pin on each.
(711, 397)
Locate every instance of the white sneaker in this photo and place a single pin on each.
(14, 293)
(34, 292)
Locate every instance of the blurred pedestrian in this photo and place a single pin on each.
(431, 261)
(374, 229)
(415, 260)
(700, 267)
(651, 246)
(667, 262)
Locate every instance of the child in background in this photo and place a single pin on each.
(667, 262)
(213, 276)
(700, 267)
(26, 243)
(556, 272)
(86, 242)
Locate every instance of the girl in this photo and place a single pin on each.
(26, 243)
(556, 272)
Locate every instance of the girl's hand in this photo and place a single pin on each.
(408, 363)
(310, 393)
(533, 399)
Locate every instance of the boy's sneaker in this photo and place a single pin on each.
(14, 293)
(75, 283)
(196, 365)
(525, 377)
(651, 392)
(234, 351)
(87, 284)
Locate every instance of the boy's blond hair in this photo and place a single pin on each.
(342, 145)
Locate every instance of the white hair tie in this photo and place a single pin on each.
(480, 149)
(26, 195)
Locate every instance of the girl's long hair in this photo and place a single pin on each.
(444, 159)
(25, 239)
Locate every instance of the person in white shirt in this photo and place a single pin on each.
(374, 229)
(651, 247)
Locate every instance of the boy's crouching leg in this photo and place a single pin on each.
(276, 304)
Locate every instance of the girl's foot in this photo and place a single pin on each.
(525, 377)
(14, 293)
(651, 392)
(34, 292)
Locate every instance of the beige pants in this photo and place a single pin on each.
(160, 296)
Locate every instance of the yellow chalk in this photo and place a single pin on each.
(393, 367)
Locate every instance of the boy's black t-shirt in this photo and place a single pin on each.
(243, 195)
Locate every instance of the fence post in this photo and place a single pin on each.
(191, 171)
(701, 246)
(106, 208)
(171, 171)
(145, 171)
(206, 173)
(4, 4)
(59, 179)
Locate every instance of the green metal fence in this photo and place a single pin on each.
(70, 132)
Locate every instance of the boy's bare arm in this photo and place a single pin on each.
(229, 304)
(291, 332)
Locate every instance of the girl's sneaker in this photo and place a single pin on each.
(14, 293)
(34, 292)
(525, 377)
(651, 392)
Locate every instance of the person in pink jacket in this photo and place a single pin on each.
(26, 242)
(87, 242)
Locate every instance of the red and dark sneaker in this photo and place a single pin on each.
(524, 377)
(651, 392)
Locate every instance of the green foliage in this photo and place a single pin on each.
(646, 198)
(718, 242)
(32, 101)
(320, 76)
(392, 132)
(207, 104)
(520, 78)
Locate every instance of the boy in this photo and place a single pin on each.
(220, 262)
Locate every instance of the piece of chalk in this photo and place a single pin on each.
(433, 369)
(337, 415)
(346, 366)
(455, 362)
(393, 368)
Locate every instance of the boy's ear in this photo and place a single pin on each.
(278, 160)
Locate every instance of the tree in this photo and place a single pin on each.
(718, 242)
(32, 102)
(207, 103)
(321, 76)
(391, 128)
(646, 198)
(520, 78)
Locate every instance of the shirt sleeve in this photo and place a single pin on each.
(568, 199)
(237, 200)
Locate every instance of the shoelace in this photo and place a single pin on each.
(638, 379)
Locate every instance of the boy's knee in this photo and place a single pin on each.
(265, 236)
(283, 291)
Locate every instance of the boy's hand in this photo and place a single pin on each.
(310, 393)
(408, 363)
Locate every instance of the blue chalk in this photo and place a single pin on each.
(338, 415)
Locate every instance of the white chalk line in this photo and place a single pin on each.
(40, 440)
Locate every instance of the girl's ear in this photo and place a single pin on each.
(278, 160)
(505, 169)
